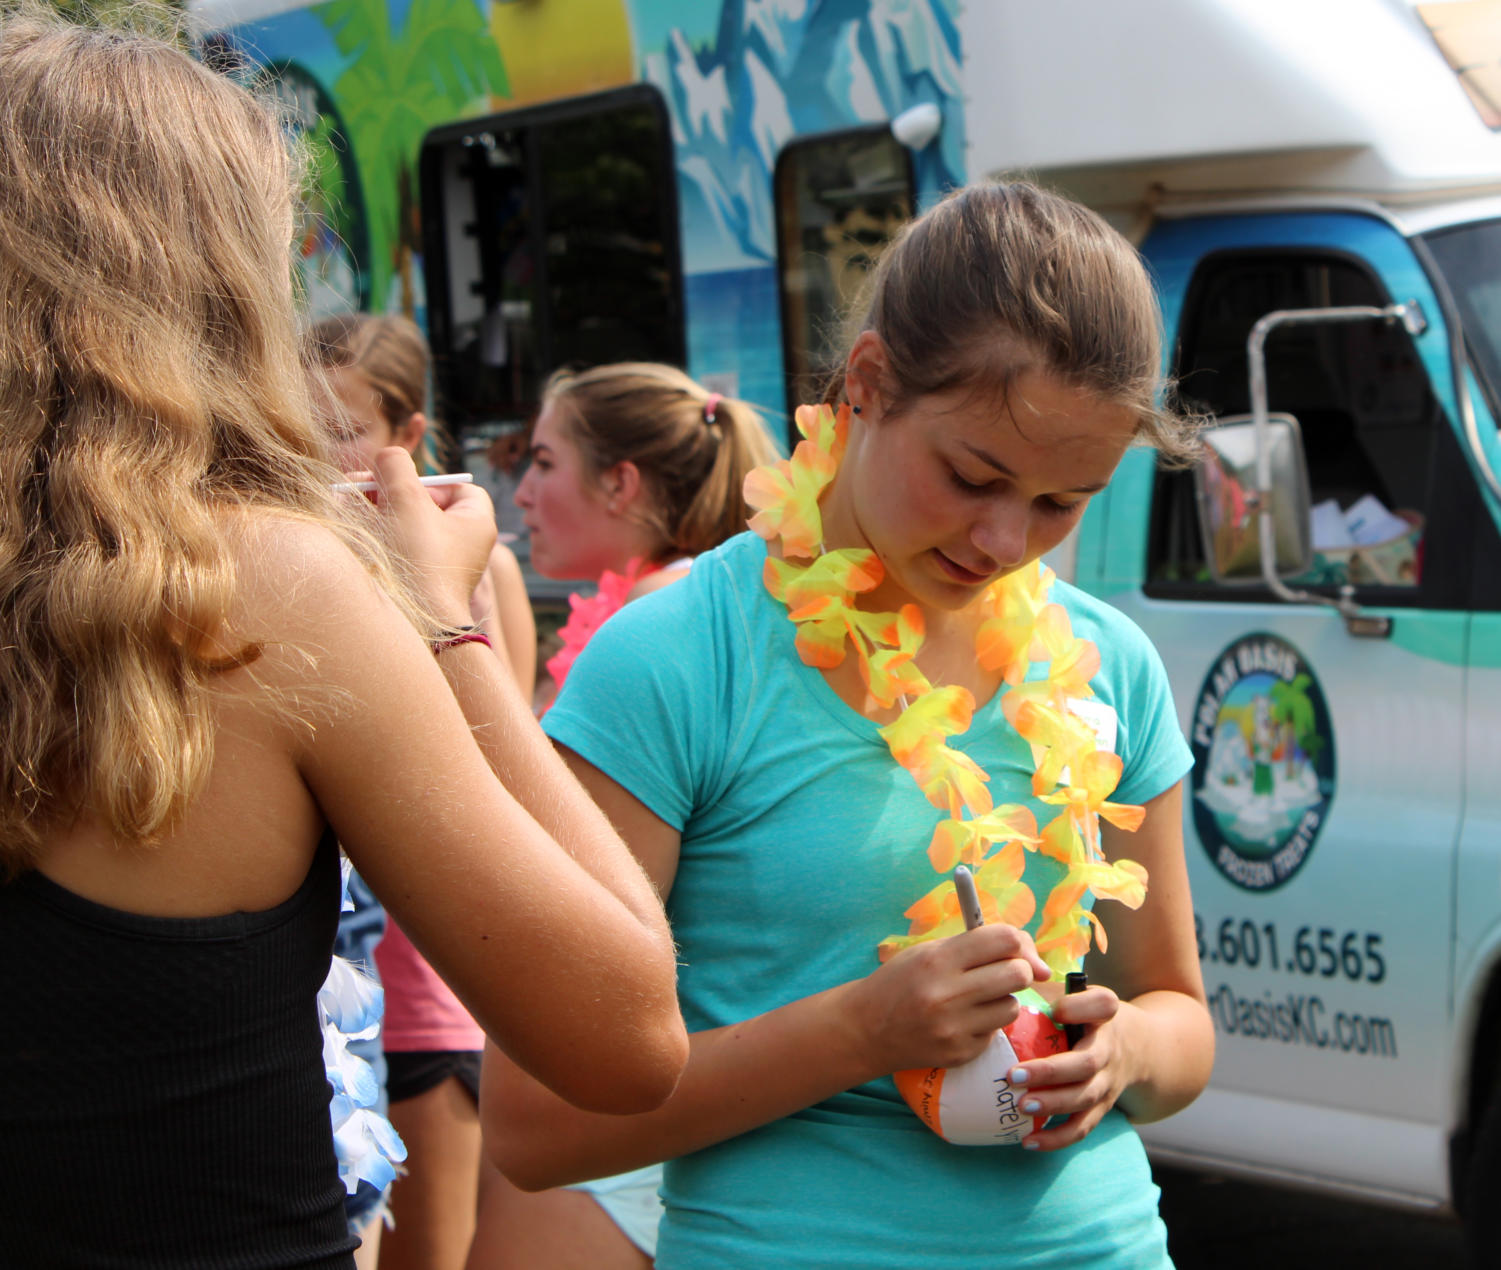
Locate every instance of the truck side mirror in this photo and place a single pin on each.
(1225, 481)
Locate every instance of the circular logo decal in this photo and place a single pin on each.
(1263, 770)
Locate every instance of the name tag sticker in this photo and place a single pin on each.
(1099, 716)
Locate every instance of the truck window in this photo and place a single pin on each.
(1361, 396)
(1470, 258)
(839, 200)
(551, 239)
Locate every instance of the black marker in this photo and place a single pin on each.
(1074, 981)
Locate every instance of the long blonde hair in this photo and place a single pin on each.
(150, 379)
(693, 448)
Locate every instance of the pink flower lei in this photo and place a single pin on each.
(588, 613)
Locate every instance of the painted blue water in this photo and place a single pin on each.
(735, 328)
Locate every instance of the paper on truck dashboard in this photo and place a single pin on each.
(1369, 522)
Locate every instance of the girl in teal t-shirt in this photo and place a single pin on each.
(1009, 357)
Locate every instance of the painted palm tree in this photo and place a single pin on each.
(437, 66)
(1292, 709)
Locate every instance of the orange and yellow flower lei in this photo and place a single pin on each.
(1020, 627)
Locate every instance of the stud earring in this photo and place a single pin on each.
(855, 409)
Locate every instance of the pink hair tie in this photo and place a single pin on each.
(711, 406)
(461, 635)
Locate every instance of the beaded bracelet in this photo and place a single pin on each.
(461, 635)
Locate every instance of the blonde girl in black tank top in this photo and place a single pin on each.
(209, 663)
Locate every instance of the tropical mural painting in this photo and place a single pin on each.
(771, 70)
(740, 80)
(333, 236)
(407, 73)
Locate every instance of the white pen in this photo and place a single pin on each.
(368, 487)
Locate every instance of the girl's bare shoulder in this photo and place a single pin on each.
(286, 563)
(300, 590)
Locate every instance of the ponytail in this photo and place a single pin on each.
(717, 510)
(692, 447)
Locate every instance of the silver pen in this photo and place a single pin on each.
(969, 897)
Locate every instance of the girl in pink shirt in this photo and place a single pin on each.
(377, 366)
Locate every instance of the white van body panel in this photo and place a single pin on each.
(1313, 1046)
(1377, 1157)
(1341, 95)
(1477, 908)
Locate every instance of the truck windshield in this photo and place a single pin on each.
(1470, 258)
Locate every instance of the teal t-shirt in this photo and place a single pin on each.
(803, 843)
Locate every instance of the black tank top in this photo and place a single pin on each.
(163, 1101)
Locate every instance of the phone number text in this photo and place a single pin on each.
(1316, 951)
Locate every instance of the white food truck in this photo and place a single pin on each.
(1317, 189)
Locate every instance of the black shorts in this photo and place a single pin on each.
(413, 1072)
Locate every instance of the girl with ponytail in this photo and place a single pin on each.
(636, 468)
(879, 683)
